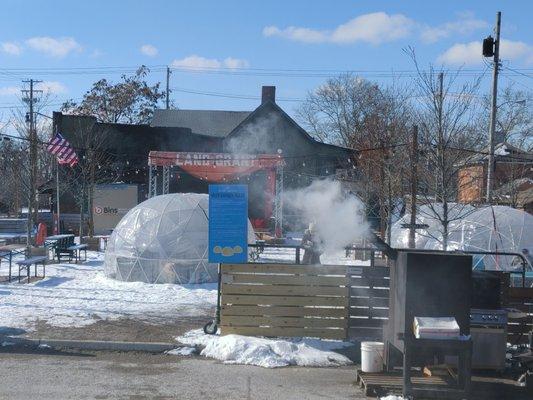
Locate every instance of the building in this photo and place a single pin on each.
(513, 173)
(266, 130)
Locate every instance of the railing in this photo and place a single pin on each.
(259, 248)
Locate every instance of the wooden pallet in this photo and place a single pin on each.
(383, 383)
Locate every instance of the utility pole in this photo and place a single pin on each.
(493, 108)
(414, 186)
(32, 195)
(168, 89)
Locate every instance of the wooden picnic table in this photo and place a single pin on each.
(8, 251)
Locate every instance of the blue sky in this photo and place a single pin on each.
(220, 46)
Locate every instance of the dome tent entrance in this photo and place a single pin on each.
(164, 240)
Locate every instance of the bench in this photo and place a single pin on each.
(13, 229)
(76, 250)
(27, 263)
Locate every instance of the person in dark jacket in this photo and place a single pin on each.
(311, 245)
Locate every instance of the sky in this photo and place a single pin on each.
(222, 52)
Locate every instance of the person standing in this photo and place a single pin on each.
(311, 245)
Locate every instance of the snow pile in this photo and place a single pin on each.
(74, 295)
(391, 397)
(182, 351)
(267, 353)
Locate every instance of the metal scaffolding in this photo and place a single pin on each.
(278, 202)
(166, 179)
(152, 181)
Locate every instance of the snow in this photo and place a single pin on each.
(391, 397)
(182, 351)
(267, 353)
(76, 295)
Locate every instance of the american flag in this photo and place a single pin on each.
(62, 149)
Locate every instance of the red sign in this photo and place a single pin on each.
(215, 167)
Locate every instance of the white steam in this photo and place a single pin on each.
(339, 218)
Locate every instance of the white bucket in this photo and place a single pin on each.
(372, 356)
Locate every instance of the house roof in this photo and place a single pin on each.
(503, 152)
(205, 122)
(282, 112)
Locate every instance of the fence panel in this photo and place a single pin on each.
(327, 301)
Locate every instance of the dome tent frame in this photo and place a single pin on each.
(163, 240)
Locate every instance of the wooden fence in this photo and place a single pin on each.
(327, 301)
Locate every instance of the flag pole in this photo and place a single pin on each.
(58, 228)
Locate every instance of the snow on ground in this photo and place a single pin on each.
(268, 353)
(391, 397)
(74, 295)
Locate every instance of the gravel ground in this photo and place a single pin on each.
(136, 376)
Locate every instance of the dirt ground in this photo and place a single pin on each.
(123, 329)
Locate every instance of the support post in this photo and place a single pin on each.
(493, 108)
(166, 179)
(152, 181)
(167, 100)
(278, 203)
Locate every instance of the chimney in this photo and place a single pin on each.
(268, 93)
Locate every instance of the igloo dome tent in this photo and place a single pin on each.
(164, 240)
(495, 228)
(430, 215)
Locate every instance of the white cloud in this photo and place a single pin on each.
(149, 50)
(198, 62)
(235, 63)
(96, 53)
(11, 48)
(465, 24)
(55, 47)
(9, 90)
(52, 87)
(373, 28)
(470, 53)
(462, 54)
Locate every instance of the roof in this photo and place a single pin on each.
(205, 122)
(306, 134)
(503, 152)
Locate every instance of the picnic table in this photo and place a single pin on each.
(59, 245)
(10, 250)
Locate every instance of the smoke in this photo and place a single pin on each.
(256, 137)
(339, 218)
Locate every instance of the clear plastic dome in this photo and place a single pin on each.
(164, 240)
(496, 228)
(431, 215)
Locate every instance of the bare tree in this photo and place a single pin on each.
(446, 110)
(95, 166)
(374, 121)
(514, 116)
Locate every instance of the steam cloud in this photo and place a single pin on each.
(339, 219)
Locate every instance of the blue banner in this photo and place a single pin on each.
(228, 223)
